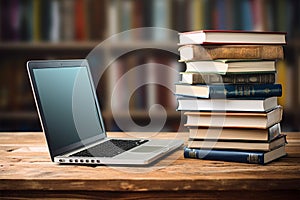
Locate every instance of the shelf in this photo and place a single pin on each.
(22, 46)
(142, 114)
(86, 45)
(31, 115)
(19, 115)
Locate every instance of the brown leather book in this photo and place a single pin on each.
(208, 52)
(238, 78)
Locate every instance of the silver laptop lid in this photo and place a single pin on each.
(67, 104)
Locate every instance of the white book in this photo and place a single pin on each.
(231, 37)
(231, 66)
(261, 120)
(250, 105)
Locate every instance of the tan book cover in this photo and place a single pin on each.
(231, 37)
(259, 120)
(207, 52)
(257, 146)
(227, 134)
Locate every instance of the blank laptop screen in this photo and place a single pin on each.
(68, 106)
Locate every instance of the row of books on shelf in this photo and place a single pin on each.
(237, 119)
(182, 15)
(142, 80)
(52, 20)
(55, 20)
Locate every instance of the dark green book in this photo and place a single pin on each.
(228, 91)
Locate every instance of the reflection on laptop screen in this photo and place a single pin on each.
(68, 105)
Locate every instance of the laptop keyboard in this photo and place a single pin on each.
(109, 148)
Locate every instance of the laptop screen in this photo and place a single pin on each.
(67, 106)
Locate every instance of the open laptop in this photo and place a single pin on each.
(71, 119)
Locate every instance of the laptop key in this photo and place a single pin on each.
(109, 148)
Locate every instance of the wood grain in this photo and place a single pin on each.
(25, 166)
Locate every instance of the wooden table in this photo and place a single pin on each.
(27, 172)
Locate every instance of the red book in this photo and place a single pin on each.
(80, 20)
(231, 37)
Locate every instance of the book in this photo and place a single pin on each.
(67, 24)
(10, 20)
(160, 18)
(213, 52)
(252, 157)
(125, 9)
(238, 145)
(179, 13)
(260, 120)
(250, 134)
(80, 23)
(45, 20)
(231, 37)
(231, 78)
(249, 105)
(97, 19)
(223, 66)
(228, 90)
(26, 26)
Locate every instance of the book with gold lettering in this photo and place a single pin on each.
(228, 91)
(252, 157)
(213, 52)
(229, 78)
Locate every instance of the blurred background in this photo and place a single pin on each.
(64, 29)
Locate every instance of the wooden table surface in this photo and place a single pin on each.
(27, 172)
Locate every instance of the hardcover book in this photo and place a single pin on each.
(223, 66)
(231, 37)
(260, 120)
(249, 105)
(227, 134)
(252, 157)
(213, 52)
(238, 145)
(229, 91)
(230, 78)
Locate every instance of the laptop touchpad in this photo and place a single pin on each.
(147, 149)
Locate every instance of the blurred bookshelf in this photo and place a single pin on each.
(65, 29)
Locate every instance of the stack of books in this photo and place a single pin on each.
(229, 95)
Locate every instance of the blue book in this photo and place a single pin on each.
(221, 16)
(228, 91)
(252, 157)
(247, 15)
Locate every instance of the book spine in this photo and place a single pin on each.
(254, 90)
(45, 20)
(230, 156)
(274, 132)
(25, 26)
(80, 20)
(259, 78)
(268, 78)
(270, 52)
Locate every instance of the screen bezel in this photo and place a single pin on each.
(39, 64)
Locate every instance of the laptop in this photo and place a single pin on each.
(71, 119)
